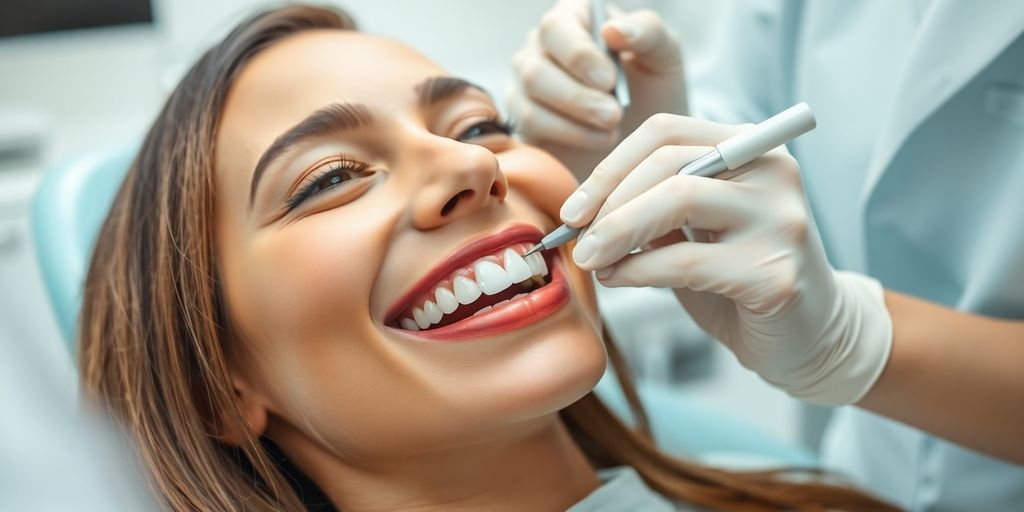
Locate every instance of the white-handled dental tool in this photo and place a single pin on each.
(728, 155)
(598, 15)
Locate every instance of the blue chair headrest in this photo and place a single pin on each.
(67, 211)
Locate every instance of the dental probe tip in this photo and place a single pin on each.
(533, 249)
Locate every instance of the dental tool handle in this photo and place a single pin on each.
(728, 155)
(560, 236)
(598, 15)
(767, 135)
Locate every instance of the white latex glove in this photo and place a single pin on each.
(758, 281)
(560, 96)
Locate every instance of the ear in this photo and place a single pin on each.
(252, 420)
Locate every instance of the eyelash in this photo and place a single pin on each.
(316, 183)
(493, 123)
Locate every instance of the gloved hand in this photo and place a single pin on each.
(560, 97)
(758, 280)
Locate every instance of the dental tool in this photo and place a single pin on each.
(598, 15)
(728, 155)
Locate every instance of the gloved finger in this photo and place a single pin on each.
(660, 165)
(564, 35)
(659, 130)
(694, 271)
(701, 203)
(643, 33)
(758, 279)
(539, 125)
(672, 237)
(547, 84)
(687, 265)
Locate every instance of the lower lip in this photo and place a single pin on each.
(534, 307)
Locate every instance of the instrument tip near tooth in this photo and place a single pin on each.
(533, 249)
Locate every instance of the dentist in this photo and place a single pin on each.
(915, 176)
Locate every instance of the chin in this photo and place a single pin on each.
(553, 369)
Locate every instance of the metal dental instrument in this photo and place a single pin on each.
(598, 15)
(728, 155)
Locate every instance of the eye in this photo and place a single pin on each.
(330, 176)
(484, 128)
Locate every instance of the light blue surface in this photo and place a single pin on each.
(915, 175)
(67, 211)
(691, 429)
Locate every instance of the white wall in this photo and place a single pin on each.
(106, 84)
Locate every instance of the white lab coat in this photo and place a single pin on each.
(915, 175)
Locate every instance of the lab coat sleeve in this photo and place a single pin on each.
(744, 73)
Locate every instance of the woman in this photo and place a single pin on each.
(289, 302)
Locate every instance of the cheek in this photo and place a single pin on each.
(538, 176)
(303, 279)
(297, 297)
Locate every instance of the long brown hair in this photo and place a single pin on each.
(153, 330)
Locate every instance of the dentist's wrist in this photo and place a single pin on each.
(853, 349)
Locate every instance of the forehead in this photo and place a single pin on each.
(302, 73)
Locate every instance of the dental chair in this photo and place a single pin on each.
(67, 211)
(72, 202)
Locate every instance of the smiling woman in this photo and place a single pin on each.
(310, 295)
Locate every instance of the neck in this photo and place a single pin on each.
(539, 467)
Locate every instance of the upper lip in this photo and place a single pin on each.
(483, 246)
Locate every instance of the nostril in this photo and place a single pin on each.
(494, 189)
(450, 205)
(447, 208)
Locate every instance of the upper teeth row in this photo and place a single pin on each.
(488, 277)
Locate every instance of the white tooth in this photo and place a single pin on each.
(491, 277)
(408, 324)
(516, 267)
(421, 318)
(482, 310)
(446, 300)
(432, 311)
(537, 264)
(466, 289)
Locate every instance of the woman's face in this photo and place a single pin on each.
(361, 194)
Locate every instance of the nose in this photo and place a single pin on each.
(460, 180)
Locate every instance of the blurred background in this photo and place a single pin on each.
(78, 77)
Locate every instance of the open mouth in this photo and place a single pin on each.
(486, 288)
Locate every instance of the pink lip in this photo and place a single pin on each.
(477, 249)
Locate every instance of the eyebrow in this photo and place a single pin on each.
(333, 118)
(439, 88)
(338, 117)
